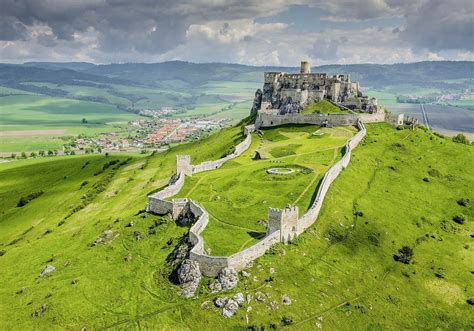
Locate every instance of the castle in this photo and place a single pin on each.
(282, 99)
(290, 93)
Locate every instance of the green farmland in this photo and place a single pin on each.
(33, 122)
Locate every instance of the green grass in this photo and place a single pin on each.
(322, 107)
(237, 196)
(347, 281)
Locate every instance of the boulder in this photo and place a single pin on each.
(215, 287)
(257, 156)
(239, 298)
(228, 278)
(220, 302)
(286, 299)
(47, 270)
(189, 276)
(230, 308)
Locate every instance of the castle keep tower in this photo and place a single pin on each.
(283, 220)
(305, 67)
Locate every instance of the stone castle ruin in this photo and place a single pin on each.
(284, 225)
(290, 93)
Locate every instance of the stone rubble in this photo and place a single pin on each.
(104, 238)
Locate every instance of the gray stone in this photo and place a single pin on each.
(260, 297)
(220, 302)
(245, 274)
(286, 299)
(239, 298)
(104, 238)
(189, 276)
(47, 270)
(228, 278)
(274, 305)
(215, 287)
(230, 308)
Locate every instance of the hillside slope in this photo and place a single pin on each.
(340, 274)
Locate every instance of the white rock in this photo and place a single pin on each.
(47, 269)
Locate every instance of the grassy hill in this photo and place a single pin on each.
(402, 188)
(322, 107)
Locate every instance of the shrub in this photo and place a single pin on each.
(426, 179)
(463, 202)
(405, 255)
(459, 219)
(24, 200)
(461, 139)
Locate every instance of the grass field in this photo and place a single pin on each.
(33, 112)
(322, 107)
(237, 196)
(340, 273)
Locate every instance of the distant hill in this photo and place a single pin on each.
(426, 73)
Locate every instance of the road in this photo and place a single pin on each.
(425, 117)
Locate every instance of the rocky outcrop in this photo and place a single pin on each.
(228, 278)
(230, 305)
(257, 102)
(189, 276)
(105, 237)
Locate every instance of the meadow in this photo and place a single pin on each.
(402, 188)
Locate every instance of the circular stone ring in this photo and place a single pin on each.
(280, 171)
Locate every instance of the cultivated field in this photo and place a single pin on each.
(33, 122)
(401, 189)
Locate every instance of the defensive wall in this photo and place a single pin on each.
(283, 224)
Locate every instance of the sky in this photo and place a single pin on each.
(272, 32)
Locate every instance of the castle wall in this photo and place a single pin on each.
(238, 150)
(284, 224)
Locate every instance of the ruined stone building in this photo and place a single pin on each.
(290, 93)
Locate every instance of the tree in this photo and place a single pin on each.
(41, 153)
(23, 155)
(55, 152)
(99, 150)
(13, 155)
(84, 121)
(33, 154)
(73, 153)
(50, 153)
(405, 255)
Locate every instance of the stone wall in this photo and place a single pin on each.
(267, 118)
(238, 150)
(311, 215)
(288, 223)
(157, 204)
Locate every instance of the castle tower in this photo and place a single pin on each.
(283, 220)
(305, 67)
(183, 164)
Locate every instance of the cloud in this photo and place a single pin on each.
(441, 25)
(105, 31)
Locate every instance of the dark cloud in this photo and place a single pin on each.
(229, 30)
(441, 25)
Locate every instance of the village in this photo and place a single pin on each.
(149, 133)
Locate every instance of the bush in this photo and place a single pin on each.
(463, 202)
(459, 219)
(25, 200)
(405, 255)
(461, 139)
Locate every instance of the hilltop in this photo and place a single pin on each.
(402, 188)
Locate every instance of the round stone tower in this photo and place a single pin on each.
(305, 67)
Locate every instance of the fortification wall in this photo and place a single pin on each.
(312, 213)
(212, 265)
(269, 120)
(156, 203)
(238, 150)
